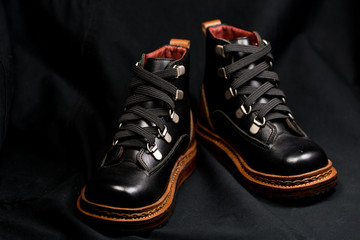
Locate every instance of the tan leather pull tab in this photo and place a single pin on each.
(180, 42)
(207, 24)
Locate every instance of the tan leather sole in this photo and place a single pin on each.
(294, 186)
(147, 216)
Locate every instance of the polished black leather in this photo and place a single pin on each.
(280, 147)
(131, 177)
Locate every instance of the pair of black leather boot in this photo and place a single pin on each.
(243, 119)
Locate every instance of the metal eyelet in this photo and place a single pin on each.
(284, 100)
(179, 95)
(271, 65)
(240, 112)
(120, 124)
(219, 50)
(265, 42)
(154, 151)
(291, 116)
(255, 127)
(115, 142)
(230, 93)
(165, 134)
(180, 70)
(174, 117)
(222, 73)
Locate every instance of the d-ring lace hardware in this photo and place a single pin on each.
(255, 127)
(155, 151)
(240, 112)
(165, 134)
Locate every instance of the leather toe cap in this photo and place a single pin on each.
(123, 186)
(293, 155)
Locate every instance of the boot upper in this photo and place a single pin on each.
(154, 131)
(247, 108)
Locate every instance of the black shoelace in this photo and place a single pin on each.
(237, 71)
(145, 87)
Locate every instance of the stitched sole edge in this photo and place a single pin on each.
(129, 219)
(296, 186)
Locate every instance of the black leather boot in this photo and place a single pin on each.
(154, 148)
(246, 123)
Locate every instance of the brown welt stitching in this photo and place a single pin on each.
(276, 182)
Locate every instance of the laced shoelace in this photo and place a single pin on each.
(276, 107)
(145, 87)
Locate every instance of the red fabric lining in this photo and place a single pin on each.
(166, 52)
(227, 32)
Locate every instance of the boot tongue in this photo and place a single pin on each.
(117, 154)
(157, 64)
(281, 125)
(240, 41)
(154, 65)
(237, 56)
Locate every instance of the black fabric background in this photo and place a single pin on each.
(72, 66)
(6, 87)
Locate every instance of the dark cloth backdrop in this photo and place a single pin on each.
(72, 65)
